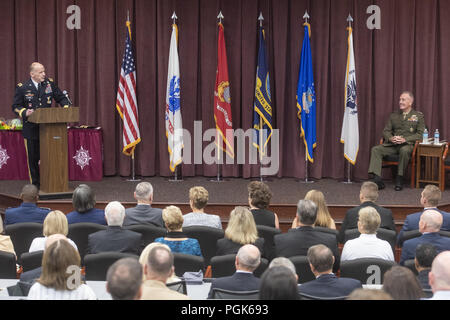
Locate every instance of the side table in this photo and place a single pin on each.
(432, 154)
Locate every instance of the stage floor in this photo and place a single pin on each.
(234, 190)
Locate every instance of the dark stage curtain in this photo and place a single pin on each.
(410, 52)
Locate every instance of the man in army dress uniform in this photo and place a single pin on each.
(402, 130)
(37, 92)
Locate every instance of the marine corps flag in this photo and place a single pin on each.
(126, 102)
(262, 114)
(306, 97)
(222, 98)
(174, 124)
(350, 130)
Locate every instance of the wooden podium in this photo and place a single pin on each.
(54, 171)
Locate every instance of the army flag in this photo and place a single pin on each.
(306, 97)
(222, 99)
(174, 126)
(126, 102)
(262, 108)
(350, 130)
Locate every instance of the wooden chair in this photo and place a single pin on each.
(392, 161)
(445, 167)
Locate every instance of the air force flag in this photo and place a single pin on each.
(174, 126)
(350, 130)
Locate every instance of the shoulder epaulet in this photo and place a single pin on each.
(19, 84)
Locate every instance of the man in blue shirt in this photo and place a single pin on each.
(28, 211)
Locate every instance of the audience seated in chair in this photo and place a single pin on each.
(55, 282)
(114, 238)
(429, 199)
(278, 283)
(302, 236)
(157, 270)
(28, 211)
(175, 238)
(369, 294)
(439, 276)
(259, 196)
(367, 245)
(5, 241)
(198, 198)
(247, 261)
(83, 201)
(124, 279)
(429, 225)
(144, 213)
(54, 223)
(144, 257)
(241, 230)
(326, 284)
(368, 195)
(425, 254)
(324, 218)
(402, 284)
(285, 262)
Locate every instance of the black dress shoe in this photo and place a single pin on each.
(398, 188)
(399, 183)
(377, 179)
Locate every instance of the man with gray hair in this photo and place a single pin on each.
(439, 277)
(144, 213)
(158, 268)
(302, 235)
(429, 225)
(247, 261)
(114, 238)
(124, 279)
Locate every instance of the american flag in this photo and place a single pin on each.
(126, 102)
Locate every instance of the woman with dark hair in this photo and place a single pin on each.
(278, 283)
(83, 201)
(259, 196)
(402, 284)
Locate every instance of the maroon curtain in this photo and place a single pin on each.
(410, 52)
(13, 157)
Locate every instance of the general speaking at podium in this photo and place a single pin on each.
(37, 92)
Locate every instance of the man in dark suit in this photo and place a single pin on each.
(430, 197)
(247, 260)
(429, 225)
(302, 236)
(326, 285)
(28, 211)
(115, 238)
(425, 254)
(37, 92)
(367, 196)
(143, 213)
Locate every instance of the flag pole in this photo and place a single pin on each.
(175, 171)
(261, 155)
(306, 17)
(349, 181)
(218, 179)
(133, 174)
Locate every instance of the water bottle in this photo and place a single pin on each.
(425, 136)
(436, 137)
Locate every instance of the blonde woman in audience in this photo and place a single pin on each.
(55, 283)
(198, 198)
(324, 218)
(55, 222)
(175, 238)
(143, 258)
(6, 244)
(241, 230)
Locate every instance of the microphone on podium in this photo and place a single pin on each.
(67, 96)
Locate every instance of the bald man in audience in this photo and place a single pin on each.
(429, 225)
(439, 277)
(247, 260)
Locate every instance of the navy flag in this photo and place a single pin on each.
(262, 114)
(306, 97)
